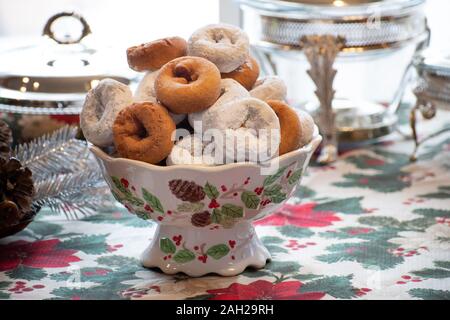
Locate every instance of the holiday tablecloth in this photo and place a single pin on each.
(371, 226)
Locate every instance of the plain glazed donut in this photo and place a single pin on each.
(100, 109)
(230, 90)
(153, 55)
(143, 131)
(188, 84)
(269, 88)
(145, 92)
(290, 127)
(225, 45)
(246, 74)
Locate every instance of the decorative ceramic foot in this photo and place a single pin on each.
(199, 251)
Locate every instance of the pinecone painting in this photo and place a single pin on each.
(201, 219)
(187, 190)
(16, 191)
(5, 140)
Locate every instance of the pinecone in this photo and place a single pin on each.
(5, 139)
(16, 190)
(187, 190)
(201, 219)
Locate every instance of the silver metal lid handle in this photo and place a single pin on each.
(49, 32)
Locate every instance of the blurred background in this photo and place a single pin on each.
(131, 21)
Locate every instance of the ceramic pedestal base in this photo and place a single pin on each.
(198, 251)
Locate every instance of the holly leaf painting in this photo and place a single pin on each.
(218, 251)
(272, 178)
(339, 287)
(167, 246)
(232, 211)
(190, 206)
(216, 216)
(211, 191)
(295, 177)
(152, 200)
(250, 199)
(26, 273)
(89, 244)
(183, 256)
(120, 186)
(430, 294)
(274, 193)
(347, 205)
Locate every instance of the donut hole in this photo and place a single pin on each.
(99, 110)
(139, 130)
(183, 72)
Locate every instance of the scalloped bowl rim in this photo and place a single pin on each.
(310, 147)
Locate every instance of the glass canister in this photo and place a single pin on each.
(432, 89)
(43, 84)
(373, 68)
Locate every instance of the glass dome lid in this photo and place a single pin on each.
(366, 25)
(53, 75)
(337, 7)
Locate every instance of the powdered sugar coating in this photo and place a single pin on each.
(250, 128)
(190, 150)
(307, 127)
(100, 110)
(269, 88)
(224, 45)
(231, 90)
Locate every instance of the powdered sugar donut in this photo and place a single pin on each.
(249, 127)
(191, 150)
(100, 110)
(146, 88)
(269, 88)
(225, 45)
(145, 92)
(230, 90)
(307, 127)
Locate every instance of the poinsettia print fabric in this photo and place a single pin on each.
(370, 226)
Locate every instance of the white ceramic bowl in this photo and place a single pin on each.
(204, 214)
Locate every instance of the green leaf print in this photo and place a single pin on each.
(89, 244)
(211, 191)
(250, 199)
(216, 216)
(26, 273)
(271, 179)
(348, 206)
(218, 251)
(232, 211)
(190, 206)
(295, 177)
(275, 194)
(120, 186)
(152, 200)
(339, 287)
(430, 294)
(167, 246)
(183, 256)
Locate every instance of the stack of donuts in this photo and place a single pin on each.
(208, 82)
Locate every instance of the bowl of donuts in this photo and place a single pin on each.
(203, 147)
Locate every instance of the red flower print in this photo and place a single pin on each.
(38, 254)
(302, 216)
(264, 290)
(357, 231)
